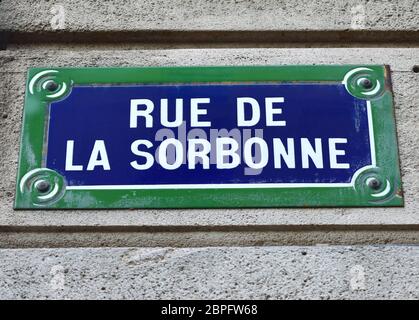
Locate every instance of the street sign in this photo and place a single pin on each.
(192, 137)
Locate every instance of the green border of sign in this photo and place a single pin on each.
(370, 82)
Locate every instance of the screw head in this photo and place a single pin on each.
(51, 85)
(42, 186)
(374, 183)
(366, 83)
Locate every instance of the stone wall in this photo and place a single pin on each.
(203, 32)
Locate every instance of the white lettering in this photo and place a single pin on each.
(149, 158)
(98, 157)
(241, 121)
(281, 152)
(69, 166)
(164, 108)
(315, 155)
(333, 153)
(232, 152)
(271, 111)
(193, 153)
(135, 113)
(264, 154)
(178, 154)
(196, 112)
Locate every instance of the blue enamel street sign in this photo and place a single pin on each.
(191, 143)
(147, 135)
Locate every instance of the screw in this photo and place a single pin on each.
(366, 83)
(42, 186)
(374, 183)
(51, 85)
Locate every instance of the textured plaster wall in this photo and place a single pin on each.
(203, 32)
(17, 59)
(211, 273)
